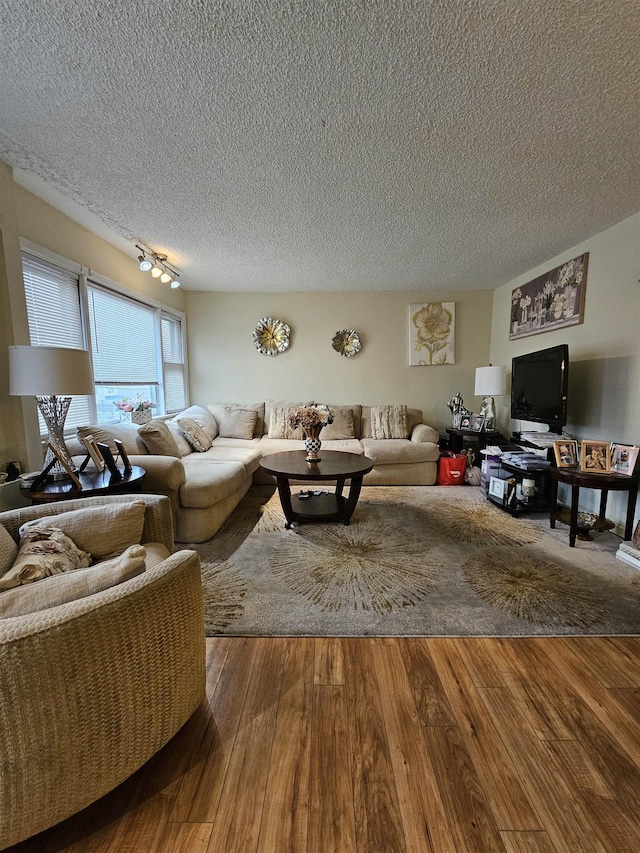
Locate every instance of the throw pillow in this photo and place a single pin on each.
(104, 531)
(389, 422)
(158, 440)
(217, 410)
(203, 418)
(126, 433)
(342, 426)
(8, 550)
(184, 448)
(44, 551)
(194, 434)
(279, 422)
(238, 423)
(61, 589)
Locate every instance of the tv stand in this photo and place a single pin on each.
(514, 505)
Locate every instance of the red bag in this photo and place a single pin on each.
(451, 468)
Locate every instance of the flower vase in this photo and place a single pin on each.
(312, 443)
(141, 417)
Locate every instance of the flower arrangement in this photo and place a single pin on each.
(310, 418)
(139, 404)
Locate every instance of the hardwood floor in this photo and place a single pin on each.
(389, 746)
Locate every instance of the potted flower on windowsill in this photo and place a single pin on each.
(139, 408)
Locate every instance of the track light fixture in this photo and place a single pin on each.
(157, 264)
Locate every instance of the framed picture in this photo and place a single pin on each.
(551, 301)
(432, 331)
(624, 458)
(498, 488)
(464, 423)
(476, 423)
(110, 461)
(62, 459)
(566, 453)
(123, 456)
(595, 457)
(94, 452)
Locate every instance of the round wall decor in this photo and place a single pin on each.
(271, 337)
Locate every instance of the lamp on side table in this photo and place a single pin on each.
(490, 382)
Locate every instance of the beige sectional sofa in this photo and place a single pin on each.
(205, 486)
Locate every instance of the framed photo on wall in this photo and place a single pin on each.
(595, 457)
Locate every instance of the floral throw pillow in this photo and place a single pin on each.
(44, 551)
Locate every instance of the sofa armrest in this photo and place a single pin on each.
(164, 474)
(423, 433)
(90, 690)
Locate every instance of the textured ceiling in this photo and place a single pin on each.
(328, 144)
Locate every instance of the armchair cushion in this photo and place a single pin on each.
(8, 550)
(60, 589)
(104, 531)
(43, 551)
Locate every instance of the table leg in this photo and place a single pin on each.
(631, 510)
(352, 500)
(573, 528)
(603, 504)
(553, 499)
(284, 490)
(339, 486)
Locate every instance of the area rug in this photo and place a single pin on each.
(415, 561)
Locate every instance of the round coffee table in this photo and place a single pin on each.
(334, 465)
(93, 483)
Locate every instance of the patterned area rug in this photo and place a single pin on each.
(416, 561)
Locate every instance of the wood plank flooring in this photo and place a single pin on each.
(389, 746)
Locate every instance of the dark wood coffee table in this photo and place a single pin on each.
(93, 483)
(334, 465)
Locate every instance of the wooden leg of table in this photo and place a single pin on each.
(603, 504)
(284, 490)
(573, 528)
(352, 500)
(339, 486)
(631, 510)
(553, 500)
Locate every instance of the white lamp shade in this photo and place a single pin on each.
(490, 381)
(49, 372)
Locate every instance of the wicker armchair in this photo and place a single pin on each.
(90, 690)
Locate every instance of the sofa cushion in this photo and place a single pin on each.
(279, 422)
(249, 456)
(158, 439)
(397, 450)
(8, 550)
(207, 483)
(104, 531)
(60, 589)
(184, 448)
(389, 422)
(279, 445)
(342, 426)
(203, 418)
(106, 433)
(217, 410)
(194, 434)
(43, 551)
(237, 422)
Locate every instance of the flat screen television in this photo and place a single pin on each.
(539, 382)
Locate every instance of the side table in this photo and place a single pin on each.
(587, 480)
(457, 437)
(93, 483)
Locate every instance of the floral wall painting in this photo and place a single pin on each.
(432, 333)
(551, 301)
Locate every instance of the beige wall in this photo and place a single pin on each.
(604, 351)
(224, 364)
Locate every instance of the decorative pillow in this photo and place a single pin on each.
(279, 423)
(217, 410)
(195, 435)
(342, 426)
(238, 423)
(104, 531)
(184, 448)
(203, 418)
(44, 551)
(389, 422)
(126, 433)
(157, 438)
(8, 550)
(60, 589)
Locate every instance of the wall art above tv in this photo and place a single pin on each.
(551, 301)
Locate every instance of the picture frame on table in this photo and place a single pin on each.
(595, 457)
(62, 459)
(624, 458)
(464, 423)
(94, 452)
(566, 453)
(476, 423)
(115, 472)
(126, 464)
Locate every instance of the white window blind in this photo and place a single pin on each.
(173, 363)
(55, 320)
(123, 339)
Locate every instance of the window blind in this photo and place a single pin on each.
(173, 363)
(55, 320)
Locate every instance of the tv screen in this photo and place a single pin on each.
(539, 382)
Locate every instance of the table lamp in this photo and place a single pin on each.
(490, 382)
(52, 375)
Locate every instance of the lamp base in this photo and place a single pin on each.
(488, 411)
(54, 411)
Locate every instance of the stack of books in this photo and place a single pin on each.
(628, 553)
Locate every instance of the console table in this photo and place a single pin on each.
(587, 480)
